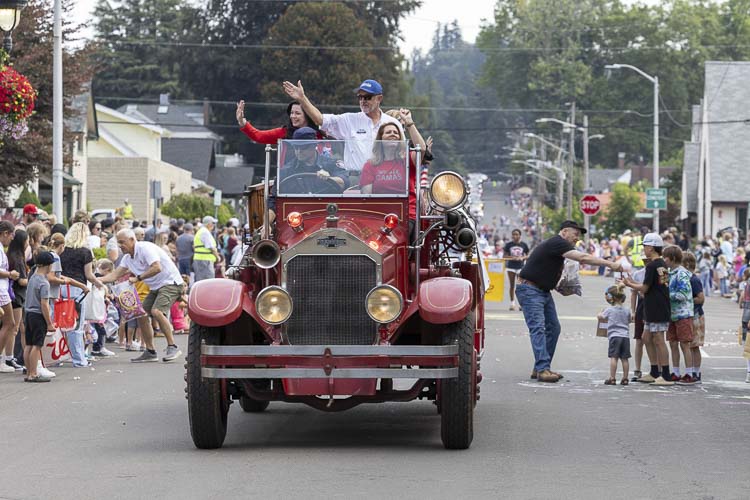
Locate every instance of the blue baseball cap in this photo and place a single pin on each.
(305, 134)
(371, 87)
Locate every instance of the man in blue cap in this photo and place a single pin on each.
(358, 129)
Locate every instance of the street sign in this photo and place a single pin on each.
(217, 197)
(590, 204)
(656, 198)
(644, 215)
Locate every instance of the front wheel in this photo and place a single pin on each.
(208, 404)
(457, 394)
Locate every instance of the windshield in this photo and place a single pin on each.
(315, 168)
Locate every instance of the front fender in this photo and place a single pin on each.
(444, 300)
(216, 302)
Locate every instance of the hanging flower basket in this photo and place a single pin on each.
(17, 98)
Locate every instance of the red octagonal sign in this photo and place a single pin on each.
(590, 204)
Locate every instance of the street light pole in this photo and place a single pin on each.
(57, 115)
(655, 81)
(586, 217)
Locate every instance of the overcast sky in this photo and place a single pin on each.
(418, 28)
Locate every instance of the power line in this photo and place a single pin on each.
(158, 43)
(155, 102)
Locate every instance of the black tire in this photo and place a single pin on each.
(250, 405)
(457, 394)
(207, 409)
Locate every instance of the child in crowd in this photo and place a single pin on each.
(636, 313)
(178, 312)
(699, 321)
(617, 317)
(704, 270)
(656, 312)
(722, 274)
(99, 350)
(38, 318)
(681, 320)
(745, 306)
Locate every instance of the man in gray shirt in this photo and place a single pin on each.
(184, 244)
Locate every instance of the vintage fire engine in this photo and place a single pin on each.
(342, 299)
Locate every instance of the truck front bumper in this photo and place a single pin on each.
(338, 362)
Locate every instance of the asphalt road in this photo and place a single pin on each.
(121, 431)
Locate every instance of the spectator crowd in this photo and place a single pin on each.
(43, 264)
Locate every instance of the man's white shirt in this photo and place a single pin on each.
(359, 132)
(144, 255)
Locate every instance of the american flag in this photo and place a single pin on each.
(424, 177)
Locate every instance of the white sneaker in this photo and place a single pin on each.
(44, 372)
(106, 352)
(5, 368)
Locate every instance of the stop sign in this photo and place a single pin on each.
(590, 205)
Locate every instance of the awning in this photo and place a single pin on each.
(68, 180)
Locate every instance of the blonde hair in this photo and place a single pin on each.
(76, 236)
(56, 240)
(105, 264)
(378, 154)
(37, 232)
(722, 260)
(616, 294)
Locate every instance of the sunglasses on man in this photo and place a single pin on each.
(365, 97)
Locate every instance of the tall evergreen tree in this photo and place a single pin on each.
(134, 54)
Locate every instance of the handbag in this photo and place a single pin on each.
(65, 311)
(95, 309)
(55, 349)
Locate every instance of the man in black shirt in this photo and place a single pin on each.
(536, 280)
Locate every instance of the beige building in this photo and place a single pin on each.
(111, 179)
(125, 159)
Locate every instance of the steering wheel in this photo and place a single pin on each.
(308, 182)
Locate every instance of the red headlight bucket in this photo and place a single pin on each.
(391, 221)
(294, 219)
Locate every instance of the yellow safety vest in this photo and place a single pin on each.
(127, 212)
(200, 252)
(636, 252)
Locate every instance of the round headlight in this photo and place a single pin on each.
(274, 305)
(384, 303)
(448, 190)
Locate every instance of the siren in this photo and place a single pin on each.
(266, 254)
(465, 238)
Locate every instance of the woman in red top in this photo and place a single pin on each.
(384, 172)
(297, 119)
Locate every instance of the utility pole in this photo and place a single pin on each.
(656, 147)
(586, 217)
(57, 115)
(571, 159)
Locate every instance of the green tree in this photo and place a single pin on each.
(22, 161)
(26, 197)
(623, 206)
(132, 60)
(190, 206)
(330, 75)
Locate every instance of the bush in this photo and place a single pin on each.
(190, 206)
(27, 197)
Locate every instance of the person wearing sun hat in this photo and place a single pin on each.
(358, 129)
(534, 286)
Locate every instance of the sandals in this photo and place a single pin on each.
(624, 381)
(37, 379)
(610, 381)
